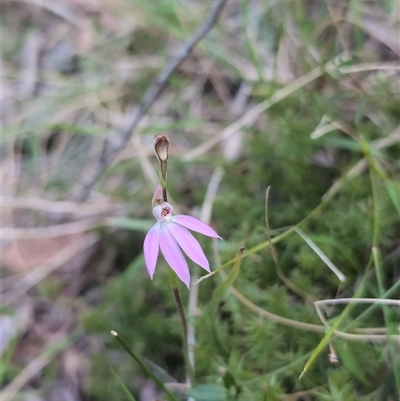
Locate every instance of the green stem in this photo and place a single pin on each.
(175, 289)
(182, 315)
(163, 165)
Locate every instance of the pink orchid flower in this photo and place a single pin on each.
(171, 234)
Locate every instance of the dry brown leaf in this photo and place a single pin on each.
(23, 255)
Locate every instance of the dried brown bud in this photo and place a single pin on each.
(161, 144)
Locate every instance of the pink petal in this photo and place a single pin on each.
(189, 244)
(195, 225)
(151, 248)
(173, 254)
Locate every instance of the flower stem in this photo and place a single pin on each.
(163, 165)
(182, 315)
(175, 289)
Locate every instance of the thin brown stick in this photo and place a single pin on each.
(150, 97)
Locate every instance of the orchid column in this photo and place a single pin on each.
(171, 234)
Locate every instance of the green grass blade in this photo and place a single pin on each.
(125, 389)
(145, 369)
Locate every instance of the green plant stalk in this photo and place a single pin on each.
(182, 315)
(376, 232)
(175, 289)
(146, 370)
(128, 394)
(163, 165)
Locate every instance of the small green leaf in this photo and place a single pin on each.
(208, 392)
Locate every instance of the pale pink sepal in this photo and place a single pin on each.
(189, 244)
(195, 225)
(158, 195)
(151, 249)
(173, 255)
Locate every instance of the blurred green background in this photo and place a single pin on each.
(298, 96)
